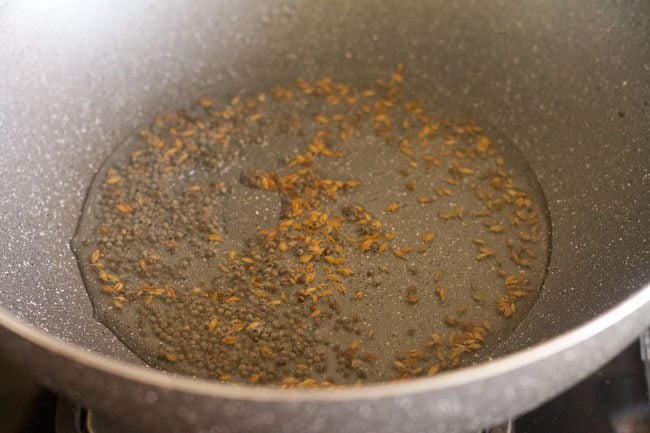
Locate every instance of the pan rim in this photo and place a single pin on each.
(446, 380)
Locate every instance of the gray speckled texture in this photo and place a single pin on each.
(566, 81)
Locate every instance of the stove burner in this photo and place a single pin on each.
(645, 356)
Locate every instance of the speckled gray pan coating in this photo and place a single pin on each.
(566, 81)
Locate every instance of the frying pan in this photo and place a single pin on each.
(566, 82)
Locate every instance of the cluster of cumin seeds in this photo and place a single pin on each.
(315, 235)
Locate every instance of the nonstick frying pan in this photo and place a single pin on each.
(567, 82)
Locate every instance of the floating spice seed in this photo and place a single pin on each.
(230, 339)
(305, 258)
(124, 208)
(482, 144)
(402, 252)
(334, 278)
(204, 102)
(119, 301)
(425, 199)
(236, 326)
(482, 256)
(447, 215)
(392, 207)
(94, 256)
(428, 237)
(486, 250)
(525, 237)
(506, 306)
(465, 170)
(411, 295)
(331, 260)
(171, 357)
(323, 120)
(518, 260)
(440, 292)
(441, 192)
(367, 244)
(112, 178)
(481, 213)
(213, 324)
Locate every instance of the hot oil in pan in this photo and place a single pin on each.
(315, 234)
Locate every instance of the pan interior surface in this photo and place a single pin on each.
(313, 234)
(577, 112)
